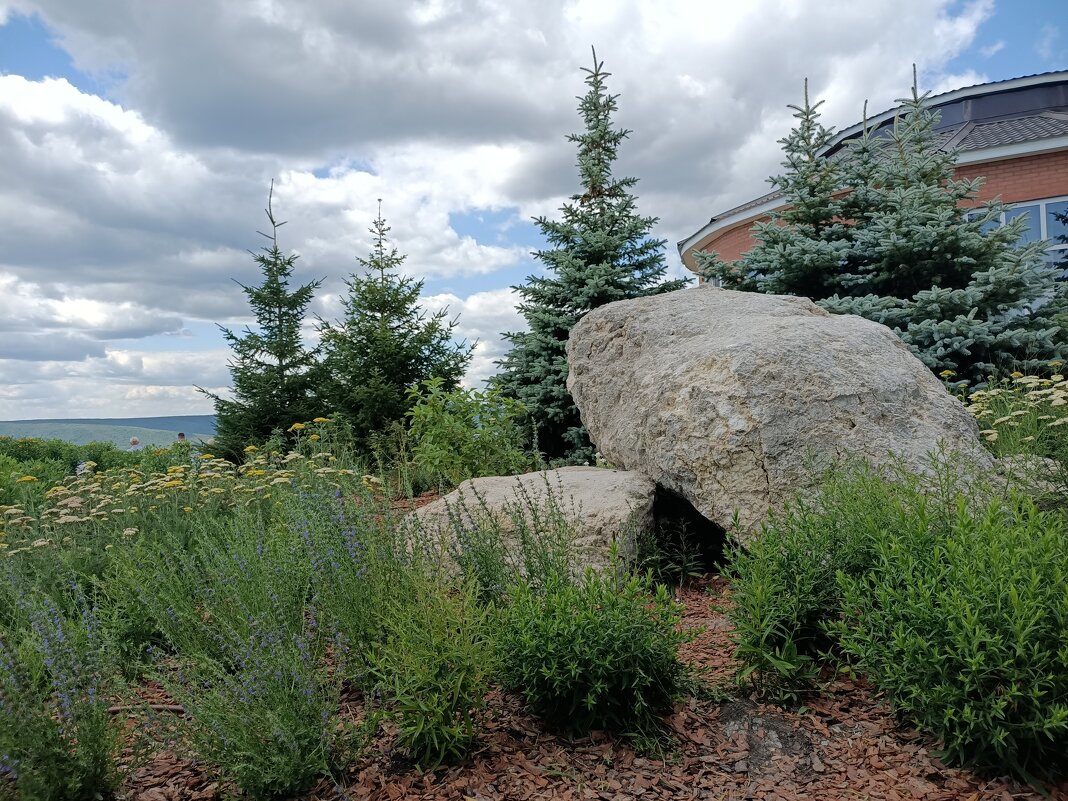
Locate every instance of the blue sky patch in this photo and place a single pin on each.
(28, 47)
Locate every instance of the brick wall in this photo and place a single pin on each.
(1016, 180)
(1025, 178)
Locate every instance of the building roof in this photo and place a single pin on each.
(1002, 116)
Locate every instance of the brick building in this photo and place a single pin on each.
(1013, 133)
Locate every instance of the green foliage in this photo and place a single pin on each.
(233, 608)
(670, 554)
(533, 541)
(46, 462)
(877, 231)
(968, 635)
(952, 600)
(600, 654)
(384, 344)
(270, 367)
(115, 436)
(435, 665)
(57, 740)
(600, 251)
(267, 718)
(465, 433)
(784, 587)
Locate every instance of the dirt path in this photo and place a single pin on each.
(846, 746)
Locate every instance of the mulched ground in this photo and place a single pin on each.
(846, 746)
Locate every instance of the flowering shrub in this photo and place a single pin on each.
(56, 736)
(1027, 417)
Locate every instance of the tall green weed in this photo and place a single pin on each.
(465, 433)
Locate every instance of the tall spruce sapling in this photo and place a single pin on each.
(801, 246)
(385, 343)
(963, 292)
(600, 251)
(271, 368)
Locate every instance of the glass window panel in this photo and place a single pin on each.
(1057, 221)
(1032, 218)
(986, 227)
(1059, 258)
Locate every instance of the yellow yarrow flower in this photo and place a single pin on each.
(207, 456)
(947, 373)
(321, 420)
(297, 427)
(26, 479)
(251, 449)
(314, 437)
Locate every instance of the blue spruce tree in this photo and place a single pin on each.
(600, 251)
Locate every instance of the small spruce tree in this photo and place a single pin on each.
(959, 289)
(599, 252)
(802, 245)
(271, 367)
(384, 344)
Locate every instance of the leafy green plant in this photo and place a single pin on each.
(597, 654)
(57, 741)
(671, 554)
(238, 613)
(784, 588)
(434, 666)
(266, 713)
(465, 433)
(968, 635)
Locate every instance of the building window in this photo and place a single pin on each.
(1045, 219)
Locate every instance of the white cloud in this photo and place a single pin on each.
(992, 49)
(1046, 46)
(481, 319)
(127, 217)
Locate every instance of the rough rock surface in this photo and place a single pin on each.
(731, 398)
(604, 505)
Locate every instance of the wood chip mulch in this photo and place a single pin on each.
(847, 745)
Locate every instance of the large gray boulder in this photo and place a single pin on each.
(734, 399)
(598, 506)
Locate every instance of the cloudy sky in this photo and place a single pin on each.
(138, 141)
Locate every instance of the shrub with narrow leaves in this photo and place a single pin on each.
(434, 667)
(597, 654)
(968, 637)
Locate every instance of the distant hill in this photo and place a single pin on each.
(155, 431)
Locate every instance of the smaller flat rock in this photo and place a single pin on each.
(601, 506)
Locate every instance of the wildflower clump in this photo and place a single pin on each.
(1025, 418)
